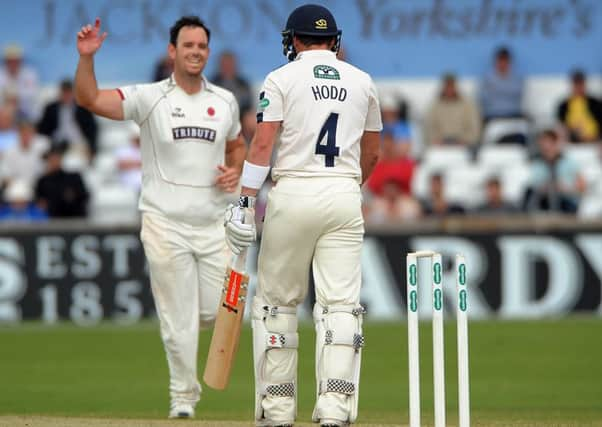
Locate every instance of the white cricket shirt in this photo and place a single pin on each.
(183, 140)
(325, 106)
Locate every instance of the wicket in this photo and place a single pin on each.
(438, 346)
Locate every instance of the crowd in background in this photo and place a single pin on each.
(43, 150)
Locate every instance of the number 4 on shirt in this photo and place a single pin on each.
(329, 130)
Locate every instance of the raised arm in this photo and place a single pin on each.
(106, 103)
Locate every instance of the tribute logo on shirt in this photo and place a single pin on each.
(194, 132)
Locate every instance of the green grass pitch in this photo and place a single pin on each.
(536, 373)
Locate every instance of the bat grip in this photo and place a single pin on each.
(239, 261)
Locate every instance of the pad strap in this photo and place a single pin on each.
(337, 386)
(283, 390)
(276, 340)
(355, 310)
(357, 341)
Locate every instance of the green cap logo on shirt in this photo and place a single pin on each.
(326, 72)
(264, 103)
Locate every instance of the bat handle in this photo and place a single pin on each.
(239, 261)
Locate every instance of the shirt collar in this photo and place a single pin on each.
(205, 84)
(316, 53)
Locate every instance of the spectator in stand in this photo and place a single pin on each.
(64, 120)
(580, 113)
(392, 205)
(23, 161)
(248, 122)
(495, 203)
(9, 135)
(228, 77)
(502, 89)
(20, 79)
(62, 194)
(129, 160)
(437, 204)
(395, 118)
(452, 118)
(11, 100)
(389, 185)
(395, 165)
(556, 183)
(163, 68)
(19, 205)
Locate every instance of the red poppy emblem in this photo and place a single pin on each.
(211, 111)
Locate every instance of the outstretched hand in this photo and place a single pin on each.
(89, 39)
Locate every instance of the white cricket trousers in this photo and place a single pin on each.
(187, 265)
(313, 222)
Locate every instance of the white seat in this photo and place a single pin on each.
(592, 175)
(590, 207)
(585, 155)
(441, 157)
(466, 185)
(420, 181)
(496, 129)
(514, 181)
(106, 165)
(114, 203)
(110, 139)
(499, 157)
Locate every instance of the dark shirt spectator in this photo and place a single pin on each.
(556, 183)
(63, 194)
(502, 89)
(63, 120)
(437, 204)
(495, 203)
(163, 68)
(580, 113)
(229, 78)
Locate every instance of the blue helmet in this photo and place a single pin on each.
(309, 20)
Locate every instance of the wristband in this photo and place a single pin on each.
(253, 175)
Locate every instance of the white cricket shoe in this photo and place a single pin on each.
(181, 410)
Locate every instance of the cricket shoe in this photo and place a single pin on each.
(181, 410)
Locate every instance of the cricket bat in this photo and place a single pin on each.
(228, 323)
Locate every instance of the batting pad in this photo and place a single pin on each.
(339, 343)
(275, 343)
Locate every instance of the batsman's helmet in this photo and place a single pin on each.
(309, 20)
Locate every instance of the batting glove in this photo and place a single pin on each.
(240, 224)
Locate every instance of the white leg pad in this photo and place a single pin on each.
(275, 343)
(339, 343)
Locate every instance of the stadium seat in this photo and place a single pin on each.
(498, 157)
(110, 139)
(105, 166)
(586, 155)
(466, 185)
(114, 203)
(515, 180)
(443, 157)
(506, 131)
